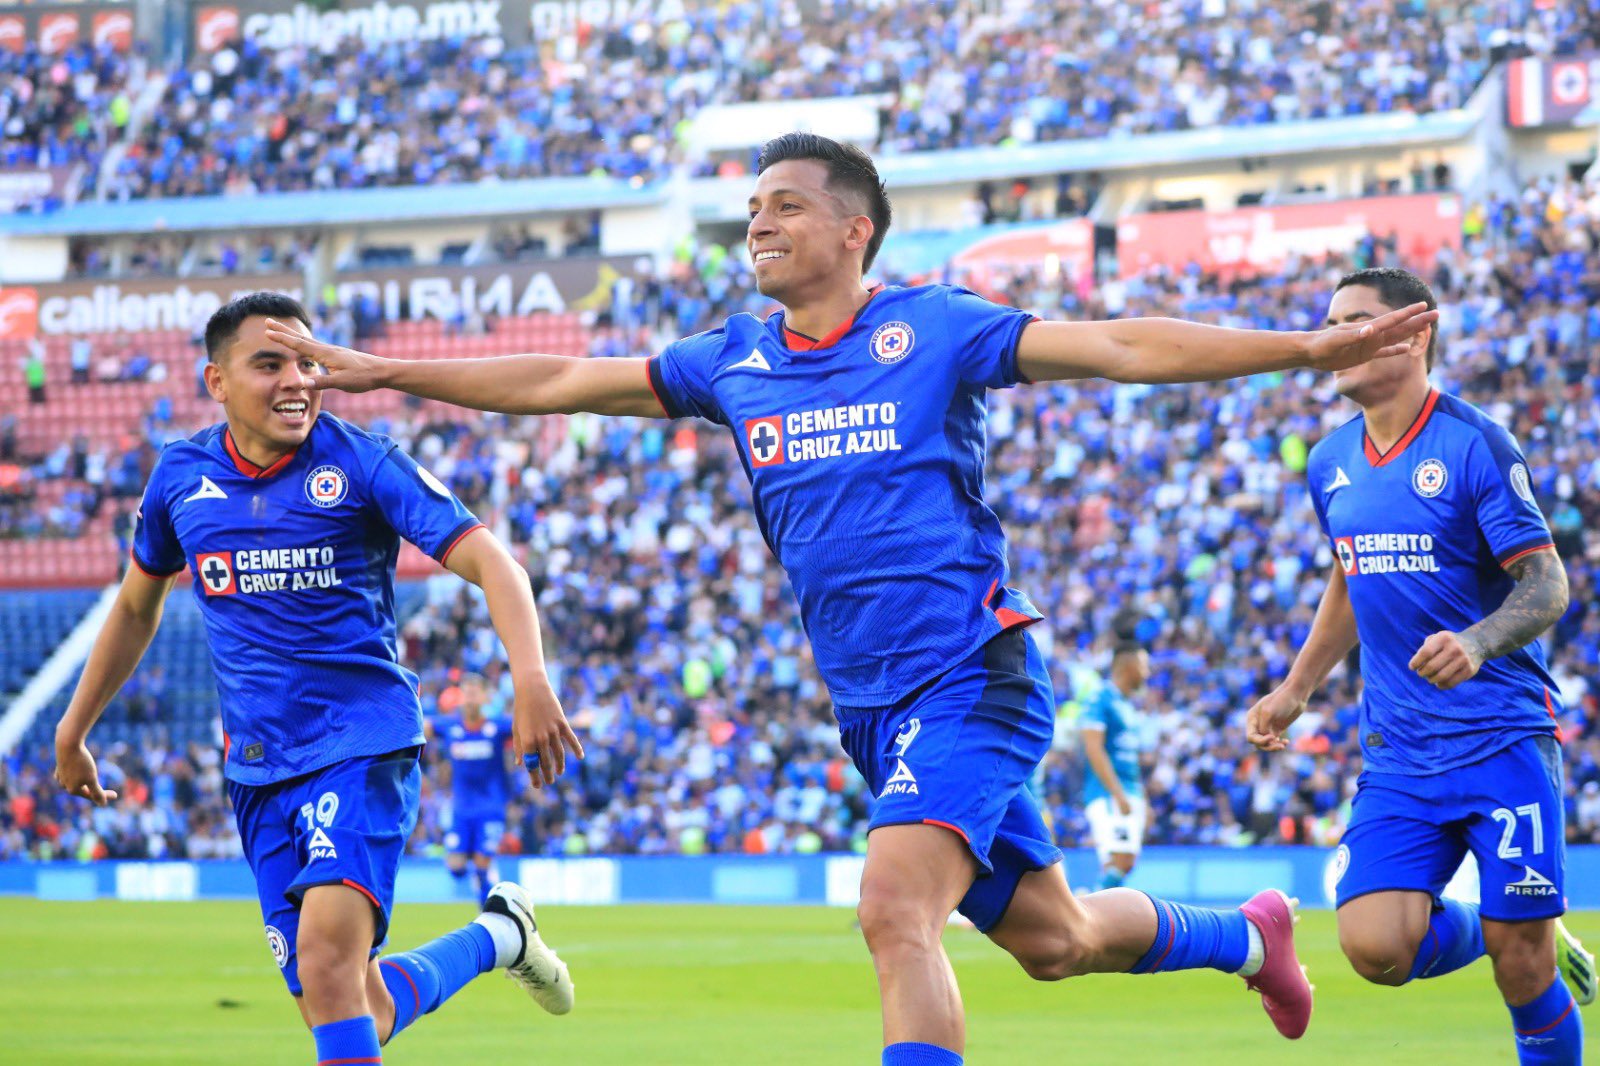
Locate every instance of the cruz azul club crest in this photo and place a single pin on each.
(892, 341)
(1429, 478)
(326, 486)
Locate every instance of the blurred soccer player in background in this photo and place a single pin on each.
(858, 413)
(477, 749)
(1445, 573)
(1110, 729)
(290, 521)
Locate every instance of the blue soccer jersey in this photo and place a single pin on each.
(478, 778)
(865, 454)
(1423, 533)
(294, 570)
(1113, 712)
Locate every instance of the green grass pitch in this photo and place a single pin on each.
(110, 983)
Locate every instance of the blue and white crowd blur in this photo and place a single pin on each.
(615, 101)
(678, 653)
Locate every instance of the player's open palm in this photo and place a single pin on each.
(542, 734)
(1353, 343)
(1267, 724)
(77, 773)
(343, 368)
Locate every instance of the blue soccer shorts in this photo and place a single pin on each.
(476, 834)
(344, 824)
(1411, 833)
(958, 753)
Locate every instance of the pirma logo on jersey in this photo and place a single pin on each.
(1429, 478)
(892, 341)
(326, 486)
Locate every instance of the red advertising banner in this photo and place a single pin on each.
(1064, 246)
(1262, 238)
(1551, 92)
(13, 33)
(114, 28)
(58, 31)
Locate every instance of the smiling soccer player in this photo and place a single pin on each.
(859, 415)
(290, 520)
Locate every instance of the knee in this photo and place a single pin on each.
(327, 972)
(893, 923)
(1381, 962)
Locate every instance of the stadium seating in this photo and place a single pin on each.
(678, 653)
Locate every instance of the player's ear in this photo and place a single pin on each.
(859, 233)
(215, 384)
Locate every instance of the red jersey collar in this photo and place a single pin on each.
(245, 466)
(799, 342)
(1377, 458)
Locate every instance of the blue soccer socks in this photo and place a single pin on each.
(1454, 938)
(1190, 938)
(347, 1042)
(423, 978)
(909, 1053)
(1550, 1029)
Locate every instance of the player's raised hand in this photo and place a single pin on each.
(1267, 724)
(542, 734)
(1445, 660)
(1353, 343)
(343, 368)
(77, 773)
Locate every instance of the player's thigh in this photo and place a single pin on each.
(1022, 847)
(352, 823)
(1399, 840)
(1517, 833)
(268, 843)
(913, 876)
(1381, 930)
(1524, 956)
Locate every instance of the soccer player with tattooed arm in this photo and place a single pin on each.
(858, 414)
(1445, 573)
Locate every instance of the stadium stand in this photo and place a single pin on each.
(676, 645)
(948, 74)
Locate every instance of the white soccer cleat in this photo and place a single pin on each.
(537, 969)
(1576, 964)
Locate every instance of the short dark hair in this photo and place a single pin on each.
(849, 169)
(223, 326)
(1397, 288)
(1125, 632)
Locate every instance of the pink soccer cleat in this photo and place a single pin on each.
(1285, 991)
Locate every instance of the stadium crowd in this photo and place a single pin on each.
(952, 73)
(678, 653)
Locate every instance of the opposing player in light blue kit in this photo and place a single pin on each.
(1109, 727)
(859, 416)
(290, 522)
(1445, 573)
(476, 748)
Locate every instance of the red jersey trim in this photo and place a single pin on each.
(799, 342)
(1377, 458)
(444, 556)
(245, 466)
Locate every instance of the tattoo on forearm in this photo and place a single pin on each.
(1539, 598)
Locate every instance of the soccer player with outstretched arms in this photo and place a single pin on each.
(1445, 573)
(290, 522)
(858, 414)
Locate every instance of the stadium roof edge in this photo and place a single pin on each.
(412, 203)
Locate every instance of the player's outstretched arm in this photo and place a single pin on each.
(511, 384)
(1333, 634)
(1164, 350)
(538, 725)
(122, 642)
(1534, 605)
